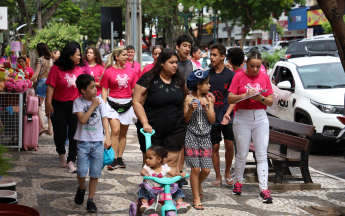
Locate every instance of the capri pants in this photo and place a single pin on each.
(251, 125)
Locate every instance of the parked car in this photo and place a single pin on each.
(145, 60)
(281, 45)
(320, 47)
(319, 37)
(310, 90)
(105, 57)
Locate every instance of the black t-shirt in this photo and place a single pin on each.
(220, 84)
(163, 100)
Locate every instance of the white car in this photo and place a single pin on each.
(145, 60)
(310, 90)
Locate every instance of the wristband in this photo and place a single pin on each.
(262, 100)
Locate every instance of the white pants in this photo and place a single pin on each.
(247, 125)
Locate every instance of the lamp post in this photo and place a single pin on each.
(83, 41)
(185, 16)
(214, 18)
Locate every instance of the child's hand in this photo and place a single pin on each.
(183, 175)
(193, 106)
(95, 103)
(144, 172)
(107, 143)
(226, 119)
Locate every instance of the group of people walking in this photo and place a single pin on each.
(191, 111)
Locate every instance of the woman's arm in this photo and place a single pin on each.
(138, 105)
(268, 100)
(37, 71)
(49, 96)
(209, 110)
(104, 94)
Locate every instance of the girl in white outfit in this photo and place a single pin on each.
(251, 121)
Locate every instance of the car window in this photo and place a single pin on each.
(332, 46)
(146, 58)
(293, 48)
(286, 75)
(316, 47)
(322, 75)
(275, 77)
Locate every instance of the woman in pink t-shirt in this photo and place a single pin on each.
(60, 95)
(155, 53)
(251, 122)
(195, 52)
(120, 81)
(94, 59)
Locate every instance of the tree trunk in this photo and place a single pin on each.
(32, 55)
(334, 11)
(39, 15)
(228, 31)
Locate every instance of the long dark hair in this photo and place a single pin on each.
(153, 74)
(65, 62)
(43, 50)
(98, 58)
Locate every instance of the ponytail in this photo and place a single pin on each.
(111, 58)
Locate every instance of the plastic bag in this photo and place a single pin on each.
(108, 156)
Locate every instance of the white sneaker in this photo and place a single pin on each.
(63, 160)
(70, 167)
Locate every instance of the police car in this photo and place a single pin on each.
(310, 90)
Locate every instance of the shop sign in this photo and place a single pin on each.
(297, 19)
(316, 17)
(264, 35)
(294, 33)
(310, 32)
(3, 18)
(283, 24)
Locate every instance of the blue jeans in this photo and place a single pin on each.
(41, 87)
(90, 155)
(148, 195)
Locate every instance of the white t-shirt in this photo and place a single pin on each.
(92, 131)
(150, 171)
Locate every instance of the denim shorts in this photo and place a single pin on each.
(90, 155)
(41, 87)
(148, 195)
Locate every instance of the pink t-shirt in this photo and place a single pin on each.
(136, 67)
(263, 69)
(259, 82)
(198, 65)
(30, 70)
(96, 72)
(119, 81)
(63, 82)
(147, 68)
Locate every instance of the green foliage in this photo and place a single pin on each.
(280, 29)
(56, 36)
(328, 28)
(274, 57)
(8, 50)
(67, 12)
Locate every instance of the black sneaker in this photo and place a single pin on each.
(121, 163)
(184, 181)
(113, 165)
(91, 207)
(79, 197)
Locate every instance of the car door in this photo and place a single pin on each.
(283, 99)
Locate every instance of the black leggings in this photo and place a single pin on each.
(62, 117)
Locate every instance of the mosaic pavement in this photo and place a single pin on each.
(44, 185)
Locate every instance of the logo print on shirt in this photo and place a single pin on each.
(226, 86)
(71, 80)
(218, 96)
(92, 74)
(122, 80)
(255, 86)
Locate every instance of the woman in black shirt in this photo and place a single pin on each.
(158, 104)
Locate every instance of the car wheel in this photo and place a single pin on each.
(315, 146)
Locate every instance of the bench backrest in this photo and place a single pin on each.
(293, 127)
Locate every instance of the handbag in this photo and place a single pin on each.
(120, 108)
(108, 156)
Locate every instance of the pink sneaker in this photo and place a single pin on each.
(237, 189)
(143, 207)
(265, 196)
(183, 208)
(70, 167)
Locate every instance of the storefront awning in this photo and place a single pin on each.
(206, 39)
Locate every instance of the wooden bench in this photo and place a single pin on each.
(288, 134)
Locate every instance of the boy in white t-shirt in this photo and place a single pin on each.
(91, 113)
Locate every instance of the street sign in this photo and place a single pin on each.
(108, 15)
(277, 37)
(273, 30)
(3, 18)
(310, 32)
(265, 35)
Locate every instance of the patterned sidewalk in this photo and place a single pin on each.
(44, 185)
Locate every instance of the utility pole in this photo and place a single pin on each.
(39, 15)
(135, 36)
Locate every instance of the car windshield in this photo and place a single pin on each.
(146, 58)
(329, 75)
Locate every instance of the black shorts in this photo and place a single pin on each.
(217, 131)
(170, 133)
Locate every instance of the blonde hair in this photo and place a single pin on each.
(111, 58)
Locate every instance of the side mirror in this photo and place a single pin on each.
(284, 85)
